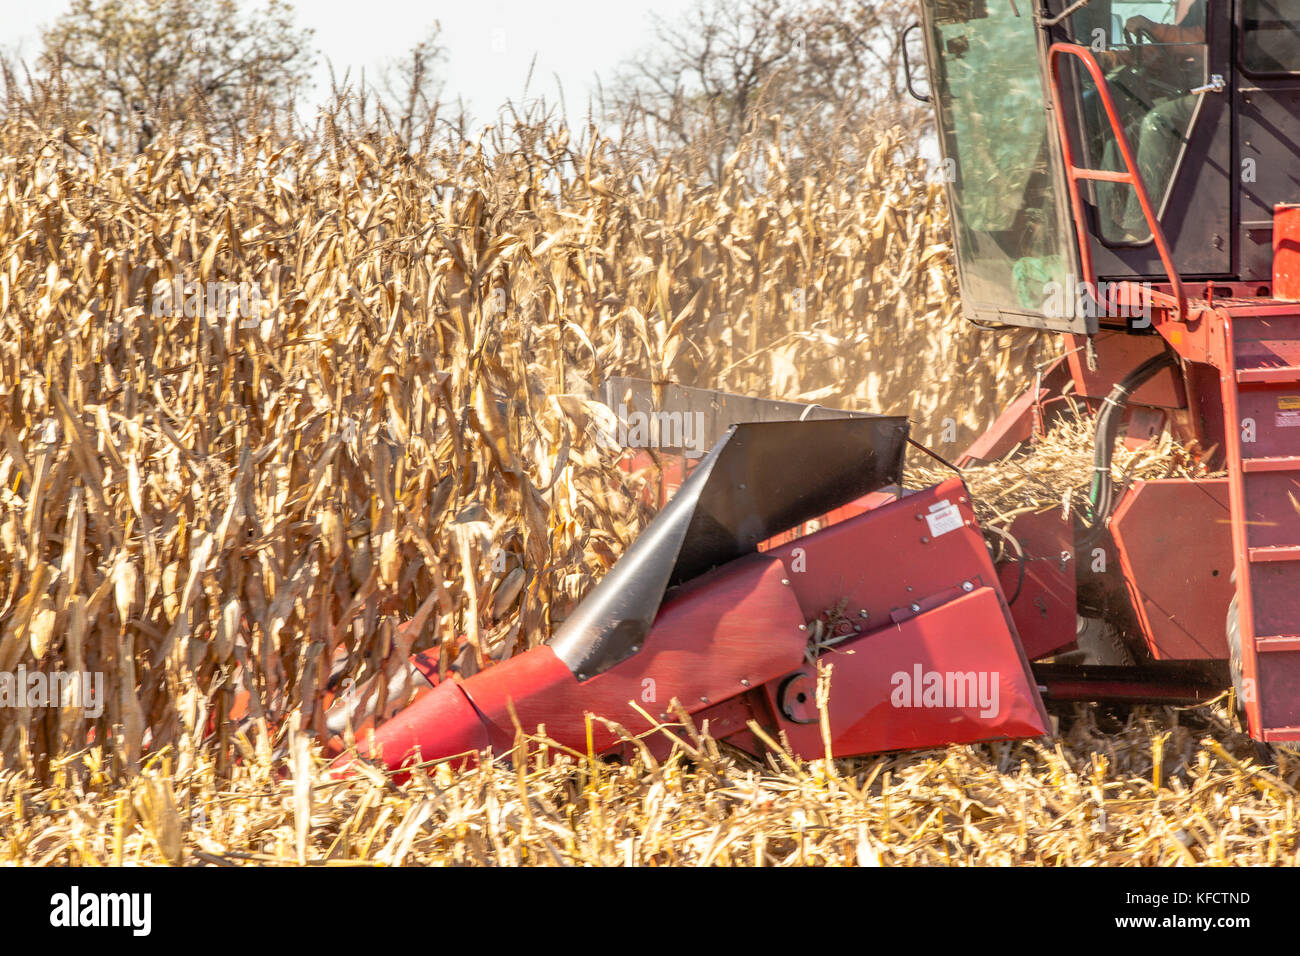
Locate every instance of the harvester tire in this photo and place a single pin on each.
(1099, 643)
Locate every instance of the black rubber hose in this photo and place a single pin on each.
(1020, 560)
(1107, 430)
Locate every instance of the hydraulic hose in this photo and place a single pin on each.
(1101, 490)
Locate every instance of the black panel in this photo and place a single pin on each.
(759, 480)
(1268, 123)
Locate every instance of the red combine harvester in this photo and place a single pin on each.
(1120, 173)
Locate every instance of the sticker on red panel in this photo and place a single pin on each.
(943, 517)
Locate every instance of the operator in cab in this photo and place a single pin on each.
(1164, 62)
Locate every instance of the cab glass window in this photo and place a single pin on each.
(1154, 55)
(1011, 243)
(1270, 36)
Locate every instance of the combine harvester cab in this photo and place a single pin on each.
(897, 599)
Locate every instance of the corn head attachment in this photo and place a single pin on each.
(725, 609)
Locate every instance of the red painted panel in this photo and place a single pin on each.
(1275, 590)
(875, 566)
(1271, 411)
(1175, 544)
(442, 723)
(1045, 610)
(727, 631)
(728, 721)
(1014, 426)
(1265, 340)
(1268, 497)
(1286, 251)
(718, 636)
(1279, 691)
(1119, 353)
(954, 674)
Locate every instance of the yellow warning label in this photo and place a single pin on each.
(1289, 402)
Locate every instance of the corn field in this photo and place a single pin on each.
(392, 446)
(279, 409)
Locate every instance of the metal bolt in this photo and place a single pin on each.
(916, 607)
(803, 627)
(785, 581)
(744, 682)
(862, 613)
(635, 648)
(704, 700)
(909, 587)
(582, 677)
(962, 499)
(967, 586)
(920, 517)
(925, 540)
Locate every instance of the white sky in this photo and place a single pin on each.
(490, 43)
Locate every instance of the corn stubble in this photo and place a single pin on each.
(398, 451)
(1161, 787)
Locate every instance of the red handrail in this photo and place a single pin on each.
(1130, 177)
